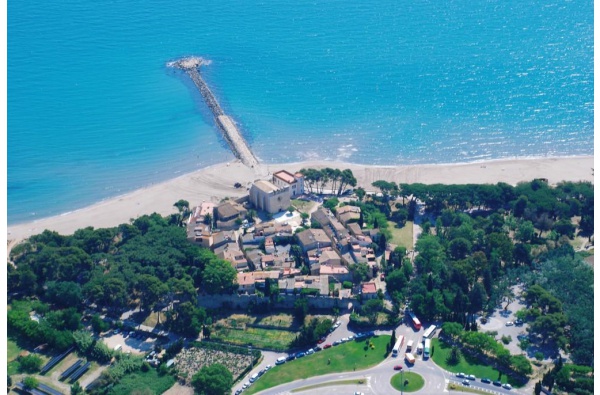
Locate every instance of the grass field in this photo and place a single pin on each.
(467, 364)
(302, 205)
(149, 382)
(257, 337)
(332, 383)
(152, 319)
(279, 320)
(461, 388)
(12, 349)
(403, 237)
(343, 358)
(415, 382)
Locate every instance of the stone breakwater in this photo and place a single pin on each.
(231, 133)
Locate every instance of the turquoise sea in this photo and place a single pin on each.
(93, 112)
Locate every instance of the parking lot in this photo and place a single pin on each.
(140, 343)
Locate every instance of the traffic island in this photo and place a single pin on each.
(407, 382)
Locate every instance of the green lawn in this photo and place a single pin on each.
(467, 364)
(257, 337)
(415, 382)
(461, 388)
(302, 205)
(332, 383)
(403, 237)
(149, 382)
(279, 320)
(12, 349)
(343, 358)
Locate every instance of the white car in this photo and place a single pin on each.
(268, 367)
(507, 386)
(509, 323)
(337, 324)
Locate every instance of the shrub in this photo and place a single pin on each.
(506, 339)
(30, 364)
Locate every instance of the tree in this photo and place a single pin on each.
(393, 339)
(454, 357)
(300, 309)
(537, 390)
(30, 382)
(76, 389)
(219, 277)
(360, 193)
(64, 293)
(452, 329)
(30, 363)
(214, 379)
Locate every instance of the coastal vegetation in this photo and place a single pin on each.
(481, 246)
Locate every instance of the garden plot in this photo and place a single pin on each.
(190, 360)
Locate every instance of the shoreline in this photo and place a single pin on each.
(215, 182)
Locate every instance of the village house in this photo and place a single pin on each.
(220, 239)
(321, 216)
(369, 291)
(347, 213)
(236, 257)
(313, 238)
(340, 273)
(254, 258)
(354, 229)
(295, 182)
(269, 245)
(266, 196)
(245, 283)
(228, 214)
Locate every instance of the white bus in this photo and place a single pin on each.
(429, 332)
(398, 346)
(427, 348)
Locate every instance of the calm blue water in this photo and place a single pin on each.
(93, 112)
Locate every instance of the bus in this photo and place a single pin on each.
(429, 332)
(415, 321)
(398, 346)
(427, 348)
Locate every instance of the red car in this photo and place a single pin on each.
(321, 340)
(326, 346)
(398, 367)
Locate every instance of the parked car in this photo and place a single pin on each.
(321, 340)
(317, 349)
(281, 360)
(300, 355)
(497, 383)
(507, 386)
(344, 339)
(486, 380)
(509, 323)
(351, 337)
(310, 352)
(518, 322)
(337, 342)
(290, 357)
(382, 277)
(466, 383)
(398, 367)
(326, 346)
(267, 368)
(471, 377)
(460, 375)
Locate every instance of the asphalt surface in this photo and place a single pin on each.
(377, 378)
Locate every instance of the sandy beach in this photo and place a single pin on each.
(217, 182)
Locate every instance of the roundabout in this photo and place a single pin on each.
(407, 382)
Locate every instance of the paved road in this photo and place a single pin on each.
(378, 377)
